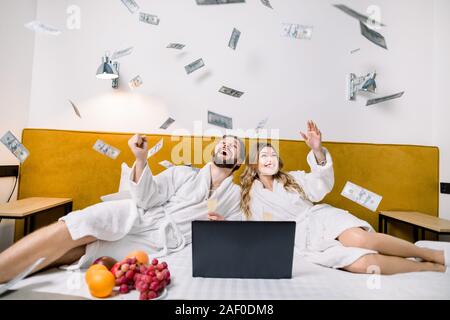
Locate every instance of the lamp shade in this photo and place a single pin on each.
(106, 70)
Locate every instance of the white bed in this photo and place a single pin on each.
(309, 282)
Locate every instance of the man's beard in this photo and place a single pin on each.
(226, 163)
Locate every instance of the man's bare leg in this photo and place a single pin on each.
(51, 242)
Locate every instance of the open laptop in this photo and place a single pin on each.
(242, 249)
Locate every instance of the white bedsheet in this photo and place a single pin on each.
(309, 282)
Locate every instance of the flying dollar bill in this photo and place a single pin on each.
(122, 53)
(106, 149)
(155, 148)
(235, 35)
(166, 164)
(355, 50)
(362, 18)
(297, 31)
(75, 109)
(231, 92)
(13, 144)
(361, 196)
(373, 36)
(131, 5)
(261, 124)
(197, 64)
(220, 120)
(177, 46)
(202, 2)
(266, 3)
(148, 18)
(167, 123)
(136, 82)
(383, 99)
(40, 27)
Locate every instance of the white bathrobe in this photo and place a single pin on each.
(318, 226)
(158, 217)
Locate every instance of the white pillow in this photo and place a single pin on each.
(124, 188)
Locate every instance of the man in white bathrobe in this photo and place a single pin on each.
(157, 219)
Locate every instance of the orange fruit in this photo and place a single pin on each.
(141, 256)
(101, 283)
(92, 269)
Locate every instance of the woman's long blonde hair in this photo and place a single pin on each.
(250, 174)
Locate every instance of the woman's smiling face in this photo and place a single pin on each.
(268, 163)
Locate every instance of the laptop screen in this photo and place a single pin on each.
(243, 249)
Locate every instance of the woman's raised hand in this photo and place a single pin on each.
(139, 146)
(313, 136)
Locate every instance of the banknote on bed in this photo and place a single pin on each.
(20, 277)
(365, 198)
(105, 149)
(13, 144)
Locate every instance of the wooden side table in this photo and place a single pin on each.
(27, 209)
(419, 221)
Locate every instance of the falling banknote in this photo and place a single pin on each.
(37, 26)
(262, 124)
(136, 82)
(122, 53)
(166, 164)
(148, 18)
(131, 5)
(220, 120)
(75, 109)
(362, 18)
(106, 149)
(231, 92)
(361, 196)
(197, 64)
(155, 148)
(167, 123)
(14, 145)
(297, 31)
(202, 2)
(266, 3)
(177, 46)
(383, 99)
(235, 35)
(373, 36)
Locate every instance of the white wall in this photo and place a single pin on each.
(441, 85)
(288, 80)
(16, 57)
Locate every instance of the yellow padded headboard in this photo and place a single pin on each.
(63, 164)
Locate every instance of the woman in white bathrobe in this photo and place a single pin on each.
(325, 235)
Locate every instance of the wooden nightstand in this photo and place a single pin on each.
(27, 209)
(419, 221)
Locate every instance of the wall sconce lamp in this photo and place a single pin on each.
(365, 83)
(109, 70)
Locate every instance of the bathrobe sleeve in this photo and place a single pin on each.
(151, 191)
(234, 213)
(320, 181)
